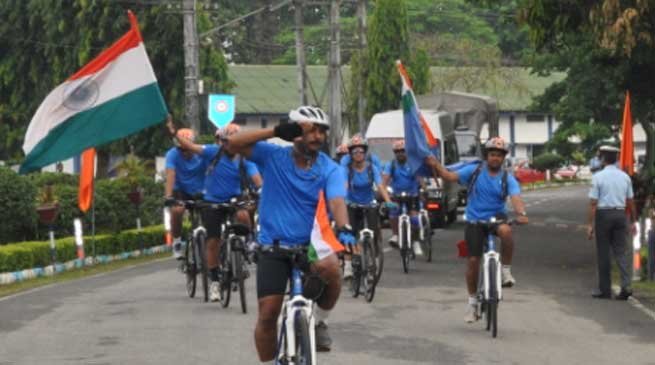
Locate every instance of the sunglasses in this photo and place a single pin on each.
(358, 151)
(399, 151)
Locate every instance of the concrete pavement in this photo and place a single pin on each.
(141, 315)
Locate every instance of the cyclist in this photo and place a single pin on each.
(225, 179)
(295, 176)
(363, 178)
(370, 157)
(185, 176)
(490, 186)
(402, 180)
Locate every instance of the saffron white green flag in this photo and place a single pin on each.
(111, 97)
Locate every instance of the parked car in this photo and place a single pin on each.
(567, 172)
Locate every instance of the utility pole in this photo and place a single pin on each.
(191, 106)
(334, 77)
(300, 51)
(361, 98)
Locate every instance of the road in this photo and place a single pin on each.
(141, 315)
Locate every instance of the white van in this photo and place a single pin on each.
(386, 127)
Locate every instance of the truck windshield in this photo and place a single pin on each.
(467, 144)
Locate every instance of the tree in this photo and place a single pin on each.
(388, 41)
(610, 45)
(43, 43)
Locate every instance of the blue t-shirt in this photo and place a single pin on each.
(402, 180)
(189, 173)
(360, 188)
(486, 199)
(223, 181)
(345, 160)
(290, 195)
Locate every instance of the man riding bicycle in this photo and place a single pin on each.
(489, 186)
(295, 176)
(363, 178)
(185, 177)
(227, 174)
(402, 180)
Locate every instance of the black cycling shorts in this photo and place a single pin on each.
(273, 271)
(475, 236)
(213, 219)
(180, 195)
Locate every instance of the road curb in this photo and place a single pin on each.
(636, 303)
(17, 276)
(541, 186)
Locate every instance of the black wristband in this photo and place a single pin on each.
(288, 131)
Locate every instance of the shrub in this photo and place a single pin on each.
(547, 161)
(27, 255)
(18, 217)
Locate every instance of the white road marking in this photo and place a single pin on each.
(637, 304)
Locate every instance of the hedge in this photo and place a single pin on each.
(27, 255)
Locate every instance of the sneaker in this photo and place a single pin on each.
(471, 313)
(508, 279)
(393, 241)
(214, 291)
(178, 250)
(347, 270)
(323, 340)
(418, 251)
(624, 294)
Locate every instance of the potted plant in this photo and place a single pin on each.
(48, 205)
(133, 170)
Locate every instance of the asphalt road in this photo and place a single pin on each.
(142, 315)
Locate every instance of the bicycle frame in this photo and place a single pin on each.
(404, 218)
(422, 213)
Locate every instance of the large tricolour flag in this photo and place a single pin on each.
(419, 140)
(111, 97)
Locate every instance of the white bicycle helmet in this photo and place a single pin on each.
(309, 114)
(497, 143)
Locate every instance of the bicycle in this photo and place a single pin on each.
(405, 231)
(425, 230)
(233, 254)
(368, 269)
(194, 262)
(296, 344)
(489, 291)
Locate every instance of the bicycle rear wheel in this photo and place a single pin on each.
(201, 239)
(226, 277)
(369, 269)
(303, 341)
(190, 268)
(405, 247)
(238, 274)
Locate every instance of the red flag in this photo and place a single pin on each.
(627, 159)
(85, 195)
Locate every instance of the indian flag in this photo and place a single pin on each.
(323, 241)
(113, 96)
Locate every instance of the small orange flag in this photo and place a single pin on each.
(627, 159)
(85, 195)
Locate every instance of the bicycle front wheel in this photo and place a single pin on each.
(190, 268)
(303, 340)
(369, 270)
(239, 276)
(427, 238)
(405, 246)
(356, 280)
(201, 239)
(492, 302)
(226, 277)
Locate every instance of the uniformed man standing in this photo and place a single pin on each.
(611, 192)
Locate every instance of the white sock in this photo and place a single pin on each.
(507, 267)
(177, 240)
(321, 314)
(473, 300)
(347, 265)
